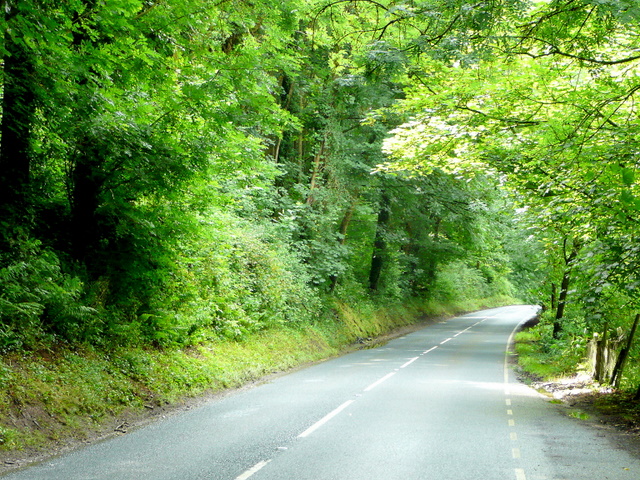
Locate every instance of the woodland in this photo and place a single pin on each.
(174, 172)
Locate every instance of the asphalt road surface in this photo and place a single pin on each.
(440, 404)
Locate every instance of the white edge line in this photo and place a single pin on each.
(506, 353)
(252, 470)
(410, 362)
(378, 382)
(324, 419)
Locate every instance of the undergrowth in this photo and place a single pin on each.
(542, 357)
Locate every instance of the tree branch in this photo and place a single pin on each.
(555, 50)
(499, 119)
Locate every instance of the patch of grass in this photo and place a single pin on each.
(8, 437)
(539, 366)
(580, 415)
(541, 360)
(71, 394)
(527, 337)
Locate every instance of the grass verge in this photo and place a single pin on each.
(539, 360)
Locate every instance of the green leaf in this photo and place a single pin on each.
(628, 176)
(627, 197)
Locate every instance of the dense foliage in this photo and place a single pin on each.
(177, 171)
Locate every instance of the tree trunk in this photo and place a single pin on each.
(318, 167)
(379, 243)
(554, 297)
(601, 351)
(18, 110)
(564, 286)
(86, 186)
(616, 376)
(344, 225)
(562, 301)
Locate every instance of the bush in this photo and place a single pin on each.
(231, 279)
(457, 281)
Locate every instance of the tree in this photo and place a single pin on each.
(111, 110)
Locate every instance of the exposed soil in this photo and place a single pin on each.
(582, 395)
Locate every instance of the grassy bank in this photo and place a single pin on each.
(62, 395)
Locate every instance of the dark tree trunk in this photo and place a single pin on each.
(562, 301)
(379, 244)
(18, 110)
(87, 182)
(554, 297)
(564, 286)
(601, 351)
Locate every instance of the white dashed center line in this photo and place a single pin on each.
(252, 470)
(378, 382)
(325, 419)
(410, 362)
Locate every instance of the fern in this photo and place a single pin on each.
(38, 300)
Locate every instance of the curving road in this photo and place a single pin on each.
(440, 403)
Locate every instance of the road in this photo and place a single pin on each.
(440, 403)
